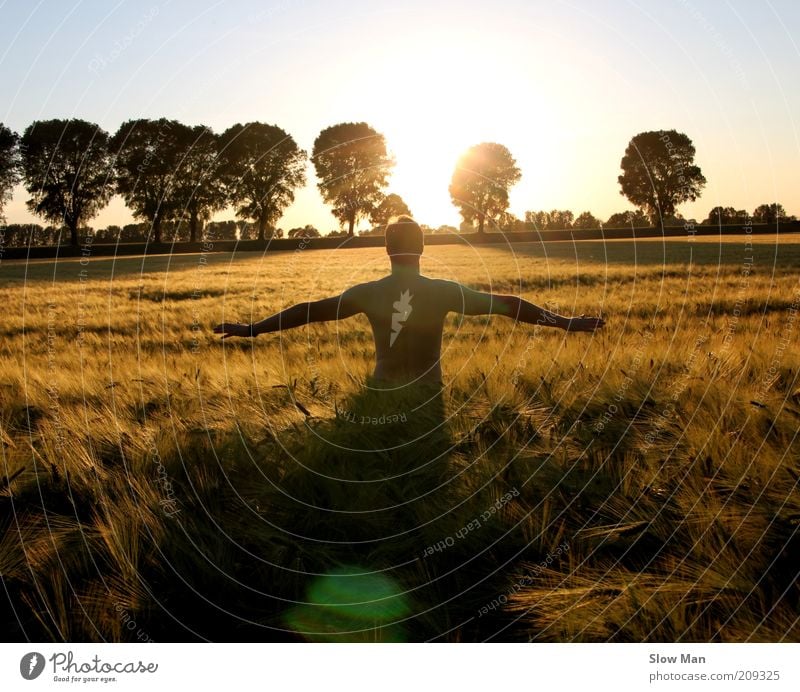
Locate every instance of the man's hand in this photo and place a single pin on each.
(584, 324)
(233, 329)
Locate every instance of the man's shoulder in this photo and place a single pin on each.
(360, 294)
(358, 289)
(444, 283)
(444, 287)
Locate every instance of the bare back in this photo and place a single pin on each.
(406, 312)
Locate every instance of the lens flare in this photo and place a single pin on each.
(350, 604)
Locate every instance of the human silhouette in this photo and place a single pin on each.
(407, 311)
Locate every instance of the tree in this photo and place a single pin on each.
(147, 160)
(199, 190)
(483, 176)
(549, 220)
(67, 171)
(632, 219)
(353, 167)
(390, 206)
(586, 221)
(262, 166)
(510, 223)
(538, 220)
(769, 213)
(675, 219)
(134, 232)
(307, 231)
(221, 230)
(725, 215)
(560, 219)
(50, 235)
(110, 234)
(659, 173)
(22, 234)
(375, 230)
(10, 165)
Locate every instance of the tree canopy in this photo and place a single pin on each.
(509, 223)
(10, 165)
(147, 159)
(586, 221)
(555, 219)
(175, 177)
(353, 167)
(726, 215)
(262, 166)
(630, 219)
(659, 173)
(307, 231)
(769, 213)
(67, 171)
(481, 182)
(391, 205)
(199, 189)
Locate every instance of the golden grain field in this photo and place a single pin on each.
(637, 484)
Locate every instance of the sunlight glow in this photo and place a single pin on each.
(441, 100)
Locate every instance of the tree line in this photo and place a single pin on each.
(174, 177)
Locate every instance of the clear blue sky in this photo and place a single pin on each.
(564, 85)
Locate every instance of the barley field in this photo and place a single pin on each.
(636, 484)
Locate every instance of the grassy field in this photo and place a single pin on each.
(639, 484)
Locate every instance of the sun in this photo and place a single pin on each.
(428, 126)
(437, 99)
(426, 158)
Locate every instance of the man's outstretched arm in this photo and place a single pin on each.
(336, 308)
(470, 302)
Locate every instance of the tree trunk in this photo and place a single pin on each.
(157, 229)
(73, 233)
(262, 227)
(481, 219)
(193, 227)
(351, 224)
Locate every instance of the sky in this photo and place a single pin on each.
(563, 85)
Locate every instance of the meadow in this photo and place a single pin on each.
(636, 484)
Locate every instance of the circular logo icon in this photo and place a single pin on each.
(31, 665)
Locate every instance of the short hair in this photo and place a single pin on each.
(404, 236)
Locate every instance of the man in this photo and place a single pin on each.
(407, 310)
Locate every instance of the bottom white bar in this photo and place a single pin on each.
(401, 667)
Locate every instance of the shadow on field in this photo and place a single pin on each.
(362, 487)
(376, 524)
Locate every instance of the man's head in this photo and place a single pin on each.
(404, 239)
